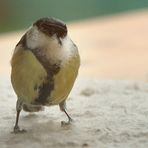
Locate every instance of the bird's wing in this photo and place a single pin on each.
(28, 75)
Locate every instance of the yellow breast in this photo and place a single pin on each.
(64, 80)
(26, 74)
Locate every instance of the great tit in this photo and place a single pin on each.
(45, 64)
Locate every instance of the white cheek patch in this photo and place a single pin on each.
(50, 46)
(69, 49)
(35, 38)
(62, 52)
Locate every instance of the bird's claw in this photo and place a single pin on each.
(17, 130)
(64, 123)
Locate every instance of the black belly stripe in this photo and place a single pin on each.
(48, 84)
(44, 91)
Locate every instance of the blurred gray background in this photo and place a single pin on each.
(17, 14)
(111, 34)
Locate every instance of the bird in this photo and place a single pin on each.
(44, 66)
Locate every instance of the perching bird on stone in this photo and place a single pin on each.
(45, 65)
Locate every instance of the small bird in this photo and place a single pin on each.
(45, 64)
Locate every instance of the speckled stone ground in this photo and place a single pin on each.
(106, 113)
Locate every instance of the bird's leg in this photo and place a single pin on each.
(18, 109)
(69, 118)
(62, 108)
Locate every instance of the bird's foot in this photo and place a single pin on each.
(64, 123)
(17, 130)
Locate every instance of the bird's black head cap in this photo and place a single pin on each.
(51, 26)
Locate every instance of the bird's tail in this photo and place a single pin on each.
(32, 108)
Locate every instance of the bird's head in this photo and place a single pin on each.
(46, 32)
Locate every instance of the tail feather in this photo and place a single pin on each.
(32, 108)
